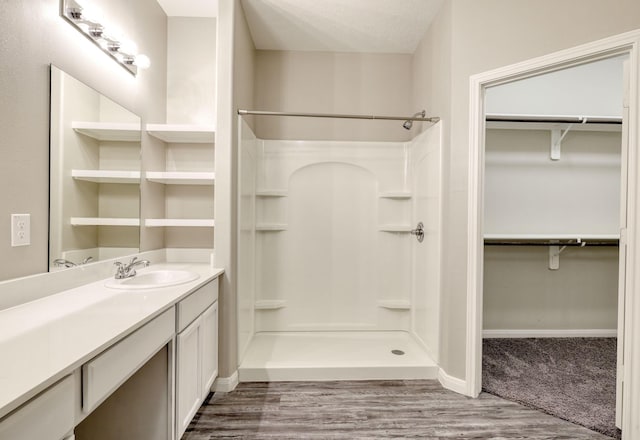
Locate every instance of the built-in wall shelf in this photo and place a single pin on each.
(179, 222)
(395, 195)
(106, 176)
(109, 131)
(183, 133)
(394, 304)
(395, 228)
(549, 122)
(104, 221)
(270, 304)
(271, 227)
(272, 193)
(181, 177)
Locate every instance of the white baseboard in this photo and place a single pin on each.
(452, 383)
(559, 333)
(226, 384)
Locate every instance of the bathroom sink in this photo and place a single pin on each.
(153, 279)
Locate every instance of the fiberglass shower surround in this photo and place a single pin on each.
(325, 241)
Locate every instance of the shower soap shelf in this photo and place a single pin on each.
(394, 304)
(272, 193)
(270, 304)
(271, 227)
(395, 195)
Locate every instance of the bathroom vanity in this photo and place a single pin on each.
(67, 355)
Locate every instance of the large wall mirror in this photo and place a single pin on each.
(95, 175)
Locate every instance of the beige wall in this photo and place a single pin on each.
(521, 293)
(33, 35)
(329, 82)
(487, 34)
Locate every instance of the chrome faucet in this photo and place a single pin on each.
(128, 270)
(61, 262)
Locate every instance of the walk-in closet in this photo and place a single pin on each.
(555, 156)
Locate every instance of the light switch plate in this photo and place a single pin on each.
(20, 229)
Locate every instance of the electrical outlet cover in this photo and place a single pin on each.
(20, 230)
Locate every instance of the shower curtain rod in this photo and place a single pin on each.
(434, 119)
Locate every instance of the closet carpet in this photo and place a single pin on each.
(401, 409)
(570, 378)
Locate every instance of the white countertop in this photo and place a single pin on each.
(44, 340)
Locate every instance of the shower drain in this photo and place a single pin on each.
(398, 352)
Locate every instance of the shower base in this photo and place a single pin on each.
(297, 356)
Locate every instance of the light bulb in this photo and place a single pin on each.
(91, 13)
(129, 47)
(113, 34)
(142, 61)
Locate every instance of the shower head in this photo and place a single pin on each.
(409, 123)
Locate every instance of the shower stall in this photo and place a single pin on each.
(333, 282)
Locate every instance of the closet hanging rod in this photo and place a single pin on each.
(554, 119)
(434, 119)
(575, 243)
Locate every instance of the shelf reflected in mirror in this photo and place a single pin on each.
(94, 180)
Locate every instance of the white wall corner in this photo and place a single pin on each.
(226, 384)
(452, 383)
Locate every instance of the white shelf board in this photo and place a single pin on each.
(108, 131)
(181, 222)
(395, 195)
(106, 176)
(583, 237)
(181, 177)
(183, 133)
(395, 228)
(272, 193)
(273, 227)
(104, 221)
(394, 304)
(270, 304)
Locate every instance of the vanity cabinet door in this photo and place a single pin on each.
(188, 372)
(209, 348)
(196, 352)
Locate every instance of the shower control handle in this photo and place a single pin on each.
(418, 232)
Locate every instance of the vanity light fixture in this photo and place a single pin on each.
(88, 19)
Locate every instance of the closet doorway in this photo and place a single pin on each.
(563, 206)
(553, 211)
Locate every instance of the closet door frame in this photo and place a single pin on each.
(627, 43)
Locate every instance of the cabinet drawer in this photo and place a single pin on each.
(196, 303)
(49, 416)
(106, 372)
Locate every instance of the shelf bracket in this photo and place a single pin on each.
(556, 250)
(554, 256)
(557, 136)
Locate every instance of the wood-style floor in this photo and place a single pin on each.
(368, 410)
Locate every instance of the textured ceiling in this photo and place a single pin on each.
(375, 26)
